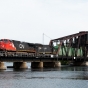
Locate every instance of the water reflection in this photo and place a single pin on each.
(45, 77)
(19, 70)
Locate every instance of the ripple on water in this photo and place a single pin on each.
(65, 77)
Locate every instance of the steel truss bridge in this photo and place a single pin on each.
(71, 47)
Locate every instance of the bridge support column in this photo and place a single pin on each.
(36, 64)
(18, 65)
(86, 63)
(2, 66)
(58, 64)
(52, 64)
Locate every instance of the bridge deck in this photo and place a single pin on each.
(44, 59)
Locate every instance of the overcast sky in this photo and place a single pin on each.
(27, 20)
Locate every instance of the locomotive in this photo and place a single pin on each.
(18, 48)
(13, 45)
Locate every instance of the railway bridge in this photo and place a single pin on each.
(72, 48)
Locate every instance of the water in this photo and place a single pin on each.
(64, 77)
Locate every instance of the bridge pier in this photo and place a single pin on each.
(57, 64)
(2, 66)
(18, 65)
(86, 63)
(36, 64)
(52, 64)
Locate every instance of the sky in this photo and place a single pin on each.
(39, 21)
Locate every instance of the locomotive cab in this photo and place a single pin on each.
(6, 44)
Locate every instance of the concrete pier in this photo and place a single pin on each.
(20, 65)
(2, 66)
(52, 64)
(86, 63)
(58, 64)
(36, 64)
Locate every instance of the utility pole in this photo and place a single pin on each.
(43, 38)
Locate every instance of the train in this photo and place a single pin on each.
(10, 47)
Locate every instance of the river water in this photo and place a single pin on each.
(64, 77)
